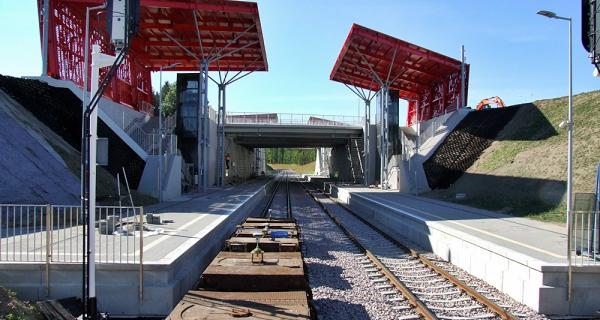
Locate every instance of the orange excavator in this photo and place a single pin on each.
(487, 102)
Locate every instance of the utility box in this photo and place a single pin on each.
(102, 151)
(117, 21)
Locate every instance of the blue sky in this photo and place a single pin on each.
(513, 52)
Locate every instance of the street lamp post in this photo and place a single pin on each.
(552, 15)
(160, 129)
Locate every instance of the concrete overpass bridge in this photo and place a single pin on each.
(339, 139)
(286, 130)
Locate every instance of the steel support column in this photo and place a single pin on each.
(221, 136)
(463, 75)
(366, 147)
(45, 38)
(384, 134)
(203, 125)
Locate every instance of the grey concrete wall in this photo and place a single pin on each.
(32, 169)
(171, 178)
(118, 285)
(433, 134)
(242, 163)
(539, 285)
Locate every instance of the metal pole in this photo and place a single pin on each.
(199, 130)
(367, 134)
(203, 124)
(383, 107)
(92, 191)
(221, 135)
(99, 60)
(570, 156)
(462, 76)
(417, 145)
(48, 246)
(45, 38)
(206, 124)
(160, 136)
(141, 288)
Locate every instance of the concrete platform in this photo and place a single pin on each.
(524, 258)
(173, 260)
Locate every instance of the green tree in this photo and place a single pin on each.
(290, 155)
(169, 98)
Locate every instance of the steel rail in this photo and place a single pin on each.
(419, 306)
(268, 205)
(501, 312)
(289, 202)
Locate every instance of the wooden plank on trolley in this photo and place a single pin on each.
(248, 305)
(235, 271)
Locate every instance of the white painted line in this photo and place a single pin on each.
(188, 243)
(167, 236)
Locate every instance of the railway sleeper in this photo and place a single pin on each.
(443, 286)
(474, 317)
(465, 308)
(437, 293)
(461, 299)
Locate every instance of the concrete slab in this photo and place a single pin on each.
(173, 260)
(524, 258)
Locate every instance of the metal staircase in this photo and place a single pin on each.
(356, 152)
(145, 134)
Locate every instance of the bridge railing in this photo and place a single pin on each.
(293, 119)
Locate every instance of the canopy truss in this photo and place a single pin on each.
(372, 60)
(226, 35)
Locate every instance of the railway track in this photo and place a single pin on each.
(278, 206)
(419, 288)
(325, 262)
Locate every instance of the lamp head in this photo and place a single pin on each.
(548, 14)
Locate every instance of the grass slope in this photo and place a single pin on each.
(523, 172)
(308, 168)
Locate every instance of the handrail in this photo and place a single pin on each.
(292, 119)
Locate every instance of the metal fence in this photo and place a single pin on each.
(292, 119)
(585, 238)
(54, 233)
(150, 141)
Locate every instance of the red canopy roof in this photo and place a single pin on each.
(229, 30)
(230, 33)
(370, 58)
